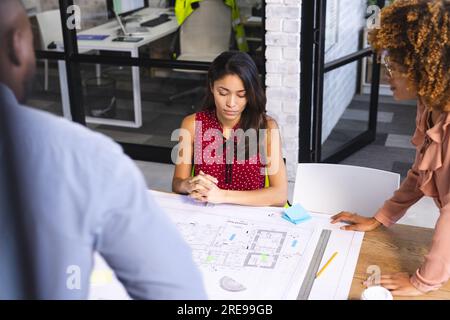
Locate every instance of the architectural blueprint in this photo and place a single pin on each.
(251, 253)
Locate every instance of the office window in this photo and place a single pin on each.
(136, 107)
(142, 105)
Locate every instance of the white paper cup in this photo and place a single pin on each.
(376, 293)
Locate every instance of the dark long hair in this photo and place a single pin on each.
(240, 64)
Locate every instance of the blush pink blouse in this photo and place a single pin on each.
(429, 176)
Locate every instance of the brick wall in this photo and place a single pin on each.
(283, 73)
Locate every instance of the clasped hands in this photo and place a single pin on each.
(203, 188)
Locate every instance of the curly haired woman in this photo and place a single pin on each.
(414, 40)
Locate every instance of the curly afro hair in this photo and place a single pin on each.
(416, 33)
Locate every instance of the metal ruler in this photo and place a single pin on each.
(313, 268)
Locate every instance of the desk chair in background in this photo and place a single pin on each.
(332, 188)
(203, 36)
(50, 32)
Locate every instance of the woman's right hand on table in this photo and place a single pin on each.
(357, 222)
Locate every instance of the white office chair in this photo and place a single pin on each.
(204, 35)
(32, 6)
(331, 188)
(50, 30)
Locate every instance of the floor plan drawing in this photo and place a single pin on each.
(249, 253)
(238, 245)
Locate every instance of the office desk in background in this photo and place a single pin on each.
(252, 21)
(253, 32)
(110, 28)
(400, 248)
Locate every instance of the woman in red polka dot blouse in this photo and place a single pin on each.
(231, 151)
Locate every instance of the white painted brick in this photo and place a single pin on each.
(273, 66)
(274, 115)
(283, 148)
(291, 26)
(287, 67)
(292, 169)
(282, 11)
(283, 67)
(291, 80)
(290, 130)
(283, 73)
(290, 53)
(291, 157)
(291, 144)
(291, 94)
(274, 106)
(290, 111)
(291, 107)
(283, 93)
(291, 120)
(293, 2)
(274, 24)
(277, 39)
(291, 104)
(273, 80)
(274, 53)
(293, 67)
(274, 93)
(293, 40)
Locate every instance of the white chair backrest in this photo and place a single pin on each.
(207, 30)
(32, 5)
(49, 27)
(330, 188)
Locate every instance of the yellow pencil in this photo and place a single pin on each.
(326, 264)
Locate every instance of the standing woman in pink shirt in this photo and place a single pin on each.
(414, 40)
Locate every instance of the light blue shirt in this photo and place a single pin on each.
(84, 194)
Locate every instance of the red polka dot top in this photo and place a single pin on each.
(237, 174)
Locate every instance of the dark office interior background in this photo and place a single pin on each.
(109, 95)
(107, 90)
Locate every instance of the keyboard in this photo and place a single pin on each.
(156, 21)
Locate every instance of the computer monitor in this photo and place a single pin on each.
(125, 7)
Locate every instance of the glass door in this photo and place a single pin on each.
(337, 117)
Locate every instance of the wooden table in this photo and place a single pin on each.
(400, 248)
